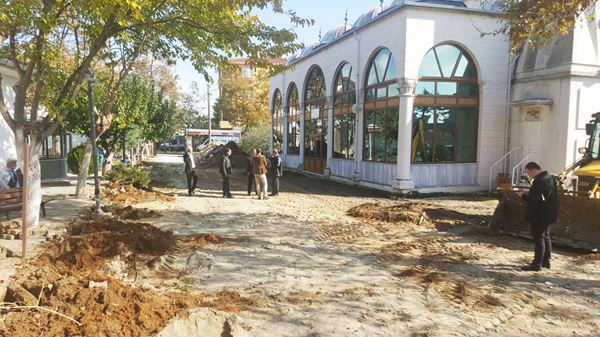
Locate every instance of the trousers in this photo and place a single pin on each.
(261, 185)
(250, 182)
(275, 184)
(226, 190)
(192, 180)
(543, 244)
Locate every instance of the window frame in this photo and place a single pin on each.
(456, 101)
(344, 109)
(293, 105)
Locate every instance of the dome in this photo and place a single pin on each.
(369, 16)
(309, 49)
(293, 58)
(456, 3)
(335, 33)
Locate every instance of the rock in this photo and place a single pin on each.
(5, 252)
(14, 231)
(103, 285)
(8, 237)
(199, 260)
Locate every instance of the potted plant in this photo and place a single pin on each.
(503, 181)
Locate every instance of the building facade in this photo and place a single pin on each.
(416, 96)
(7, 138)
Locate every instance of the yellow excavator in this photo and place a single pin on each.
(579, 200)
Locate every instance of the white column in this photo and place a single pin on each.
(302, 118)
(284, 146)
(327, 171)
(358, 141)
(404, 182)
(272, 134)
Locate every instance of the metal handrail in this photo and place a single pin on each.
(514, 171)
(498, 162)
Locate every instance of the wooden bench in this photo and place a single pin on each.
(12, 200)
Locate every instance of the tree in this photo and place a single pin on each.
(244, 101)
(537, 21)
(52, 44)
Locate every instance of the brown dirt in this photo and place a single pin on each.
(129, 195)
(119, 310)
(194, 242)
(130, 213)
(238, 157)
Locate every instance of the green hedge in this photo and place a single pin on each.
(74, 160)
(122, 175)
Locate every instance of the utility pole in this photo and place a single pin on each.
(209, 119)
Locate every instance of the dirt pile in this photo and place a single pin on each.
(193, 242)
(411, 212)
(74, 283)
(130, 213)
(129, 195)
(238, 157)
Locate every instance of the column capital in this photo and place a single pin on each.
(407, 86)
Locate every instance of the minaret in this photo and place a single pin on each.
(346, 20)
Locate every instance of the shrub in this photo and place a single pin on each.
(121, 175)
(74, 160)
(256, 137)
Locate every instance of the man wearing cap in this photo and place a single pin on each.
(9, 176)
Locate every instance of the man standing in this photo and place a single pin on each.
(542, 210)
(191, 165)
(225, 171)
(276, 169)
(259, 168)
(9, 178)
(250, 172)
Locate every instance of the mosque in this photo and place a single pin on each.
(422, 95)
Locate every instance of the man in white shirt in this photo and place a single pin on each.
(9, 177)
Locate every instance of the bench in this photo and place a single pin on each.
(12, 200)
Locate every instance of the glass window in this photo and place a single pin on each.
(448, 57)
(468, 89)
(277, 121)
(381, 135)
(445, 127)
(466, 140)
(381, 62)
(393, 90)
(446, 88)
(429, 66)
(344, 127)
(465, 68)
(391, 135)
(425, 88)
(422, 140)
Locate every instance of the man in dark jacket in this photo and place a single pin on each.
(225, 170)
(542, 210)
(191, 165)
(276, 170)
(249, 172)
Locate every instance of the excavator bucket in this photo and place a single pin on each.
(578, 220)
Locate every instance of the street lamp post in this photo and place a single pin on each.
(91, 80)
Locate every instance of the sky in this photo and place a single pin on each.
(326, 13)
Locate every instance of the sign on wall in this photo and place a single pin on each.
(315, 113)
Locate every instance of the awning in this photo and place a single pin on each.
(531, 102)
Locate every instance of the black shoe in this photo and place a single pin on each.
(249, 194)
(546, 264)
(189, 194)
(531, 267)
(230, 196)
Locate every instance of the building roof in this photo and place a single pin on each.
(377, 13)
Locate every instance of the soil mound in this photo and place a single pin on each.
(130, 213)
(214, 157)
(129, 195)
(194, 242)
(412, 212)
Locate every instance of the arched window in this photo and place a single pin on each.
(315, 121)
(293, 103)
(277, 121)
(381, 109)
(344, 122)
(446, 113)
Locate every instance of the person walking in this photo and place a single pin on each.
(191, 166)
(9, 176)
(225, 170)
(250, 172)
(259, 168)
(276, 170)
(542, 210)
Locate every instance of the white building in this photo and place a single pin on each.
(7, 138)
(411, 96)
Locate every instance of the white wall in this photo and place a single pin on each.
(7, 139)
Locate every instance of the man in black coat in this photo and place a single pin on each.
(542, 210)
(250, 173)
(191, 167)
(225, 170)
(276, 170)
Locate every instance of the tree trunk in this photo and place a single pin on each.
(83, 171)
(34, 178)
(108, 162)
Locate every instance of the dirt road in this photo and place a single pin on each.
(314, 270)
